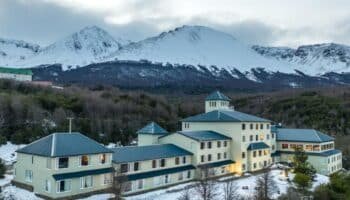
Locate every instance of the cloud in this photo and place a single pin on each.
(268, 22)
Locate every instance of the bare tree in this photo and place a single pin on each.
(230, 190)
(265, 186)
(120, 183)
(206, 186)
(185, 195)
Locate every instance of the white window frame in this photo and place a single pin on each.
(89, 161)
(58, 185)
(58, 163)
(83, 181)
(107, 179)
(47, 186)
(28, 175)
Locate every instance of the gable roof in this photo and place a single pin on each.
(301, 135)
(203, 135)
(224, 116)
(257, 145)
(149, 152)
(152, 129)
(16, 71)
(217, 95)
(64, 144)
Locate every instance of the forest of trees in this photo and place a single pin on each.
(109, 114)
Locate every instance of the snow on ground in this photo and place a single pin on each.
(173, 192)
(7, 152)
(99, 197)
(12, 192)
(6, 180)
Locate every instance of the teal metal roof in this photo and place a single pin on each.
(323, 154)
(301, 135)
(216, 164)
(217, 95)
(16, 71)
(257, 145)
(152, 129)
(64, 144)
(224, 116)
(203, 135)
(150, 152)
(150, 174)
(79, 174)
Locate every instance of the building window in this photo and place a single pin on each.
(202, 145)
(308, 147)
(261, 126)
(243, 126)
(188, 174)
(32, 159)
(209, 145)
(139, 184)
(251, 138)
(166, 179)
(48, 163)
(256, 137)
(316, 148)
(294, 146)
(162, 163)
(251, 126)
(107, 179)
(209, 157)
(261, 136)
(180, 176)
(219, 144)
(63, 186)
(243, 167)
(124, 168)
(103, 158)
(86, 182)
(265, 152)
(84, 160)
(225, 155)
(63, 162)
(254, 165)
(225, 143)
(243, 154)
(183, 159)
(127, 186)
(177, 160)
(219, 156)
(267, 136)
(272, 135)
(136, 166)
(202, 158)
(284, 146)
(254, 154)
(28, 175)
(154, 163)
(47, 186)
(267, 126)
(243, 138)
(273, 147)
(257, 126)
(260, 153)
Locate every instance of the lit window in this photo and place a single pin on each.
(261, 137)
(103, 158)
(84, 160)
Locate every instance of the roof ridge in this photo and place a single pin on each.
(36, 141)
(53, 144)
(317, 135)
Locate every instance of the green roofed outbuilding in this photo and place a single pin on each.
(18, 74)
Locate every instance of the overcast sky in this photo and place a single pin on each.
(266, 22)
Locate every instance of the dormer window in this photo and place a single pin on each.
(84, 160)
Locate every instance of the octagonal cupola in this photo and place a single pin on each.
(217, 101)
(149, 134)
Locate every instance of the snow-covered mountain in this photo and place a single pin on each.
(320, 58)
(14, 51)
(89, 45)
(198, 45)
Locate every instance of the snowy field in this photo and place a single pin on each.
(281, 183)
(7, 152)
